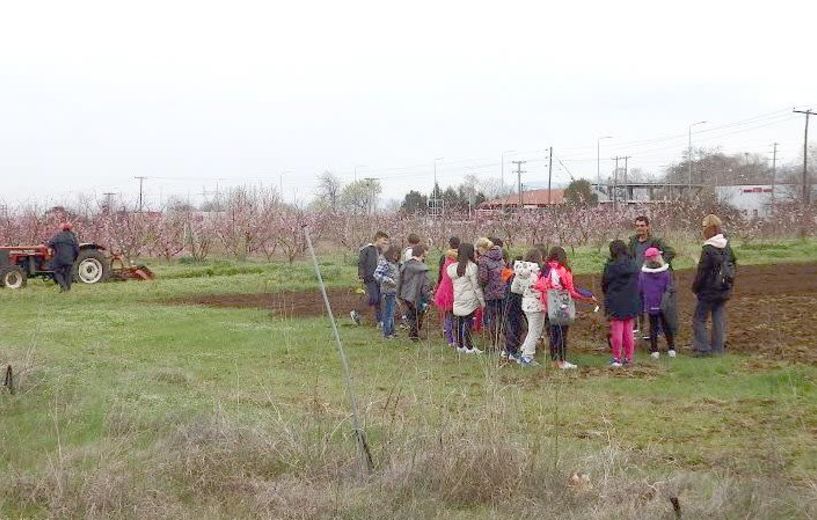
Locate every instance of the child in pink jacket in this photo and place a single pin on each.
(557, 275)
(444, 297)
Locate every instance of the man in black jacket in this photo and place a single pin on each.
(66, 250)
(713, 287)
(366, 265)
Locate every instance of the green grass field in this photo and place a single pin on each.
(129, 407)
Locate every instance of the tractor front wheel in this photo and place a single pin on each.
(13, 277)
(91, 267)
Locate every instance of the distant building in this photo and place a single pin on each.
(531, 199)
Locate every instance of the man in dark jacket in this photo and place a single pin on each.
(638, 245)
(644, 239)
(713, 287)
(414, 290)
(366, 265)
(65, 249)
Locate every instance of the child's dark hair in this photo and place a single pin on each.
(379, 235)
(465, 253)
(497, 241)
(418, 251)
(454, 242)
(558, 254)
(392, 254)
(618, 249)
(413, 239)
(534, 255)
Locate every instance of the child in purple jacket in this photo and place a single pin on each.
(654, 281)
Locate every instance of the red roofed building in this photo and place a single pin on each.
(530, 200)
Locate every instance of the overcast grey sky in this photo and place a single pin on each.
(95, 93)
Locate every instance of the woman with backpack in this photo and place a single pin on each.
(468, 296)
(713, 284)
(558, 295)
(620, 286)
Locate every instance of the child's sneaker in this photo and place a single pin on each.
(656, 355)
(526, 361)
(671, 352)
(473, 350)
(503, 355)
(514, 358)
(566, 365)
(380, 325)
(615, 363)
(355, 317)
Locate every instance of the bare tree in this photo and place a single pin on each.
(329, 191)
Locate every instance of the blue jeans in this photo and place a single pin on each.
(388, 314)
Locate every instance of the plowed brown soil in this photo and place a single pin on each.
(773, 312)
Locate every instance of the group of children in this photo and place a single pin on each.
(516, 301)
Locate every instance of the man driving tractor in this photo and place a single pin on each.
(66, 250)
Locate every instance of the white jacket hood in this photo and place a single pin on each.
(718, 241)
(645, 269)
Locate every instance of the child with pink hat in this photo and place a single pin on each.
(655, 281)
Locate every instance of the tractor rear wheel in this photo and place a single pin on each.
(13, 277)
(91, 267)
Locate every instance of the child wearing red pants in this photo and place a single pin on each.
(621, 302)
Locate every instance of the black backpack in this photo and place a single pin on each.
(725, 274)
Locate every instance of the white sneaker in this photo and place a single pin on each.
(656, 355)
(615, 364)
(566, 365)
(474, 350)
(503, 355)
(671, 353)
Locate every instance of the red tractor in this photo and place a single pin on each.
(18, 264)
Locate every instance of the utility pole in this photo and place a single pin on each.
(689, 158)
(141, 180)
(502, 177)
(615, 183)
(519, 173)
(370, 196)
(550, 171)
(626, 181)
(806, 191)
(598, 160)
(774, 171)
(109, 200)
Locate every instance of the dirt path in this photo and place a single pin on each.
(773, 312)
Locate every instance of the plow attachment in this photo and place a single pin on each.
(120, 271)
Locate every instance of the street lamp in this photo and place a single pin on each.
(689, 158)
(434, 191)
(502, 177)
(358, 166)
(281, 183)
(598, 159)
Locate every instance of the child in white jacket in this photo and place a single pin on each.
(526, 274)
(468, 296)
